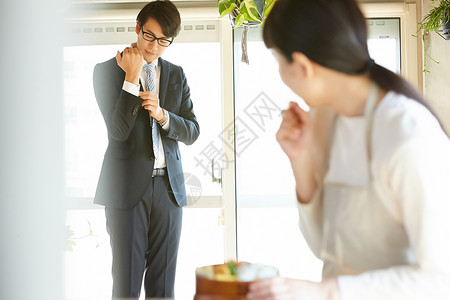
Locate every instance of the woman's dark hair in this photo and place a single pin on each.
(165, 13)
(332, 33)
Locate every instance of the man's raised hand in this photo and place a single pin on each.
(131, 62)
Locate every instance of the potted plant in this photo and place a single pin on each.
(438, 19)
(246, 13)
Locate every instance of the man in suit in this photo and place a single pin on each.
(146, 104)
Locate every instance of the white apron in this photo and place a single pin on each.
(348, 231)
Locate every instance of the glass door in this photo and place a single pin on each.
(199, 50)
(267, 217)
(266, 206)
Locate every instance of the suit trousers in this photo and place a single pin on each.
(144, 240)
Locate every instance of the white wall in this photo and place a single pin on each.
(437, 80)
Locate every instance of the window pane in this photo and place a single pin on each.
(201, 64)
(86, 138)
(267, 216)
(384, 42)
(202, 238)
(88, 267)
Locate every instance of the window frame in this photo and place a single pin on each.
(409, 44)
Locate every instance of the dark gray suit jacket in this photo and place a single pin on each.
(128, 162)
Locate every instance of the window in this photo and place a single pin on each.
(384, 42)
(266, 203)
(267, 217)
(88, 267)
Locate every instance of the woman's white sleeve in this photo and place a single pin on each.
(310, 221)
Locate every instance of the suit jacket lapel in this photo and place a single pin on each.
(163, 80)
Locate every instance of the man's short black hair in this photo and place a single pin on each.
(165, 13)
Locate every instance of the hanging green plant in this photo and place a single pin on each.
(245, 13)
(437, 20)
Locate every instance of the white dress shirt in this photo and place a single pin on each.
(160, 161)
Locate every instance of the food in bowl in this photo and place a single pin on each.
(237, 271)
(229, 281)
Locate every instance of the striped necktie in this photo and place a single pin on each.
(150, 85)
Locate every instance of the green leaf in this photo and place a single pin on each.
(268, 4)
(239, 20)
(435, 18)
(226, 7)
(233, 269)
(250, 11)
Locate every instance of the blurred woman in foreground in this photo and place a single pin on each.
(371, 163)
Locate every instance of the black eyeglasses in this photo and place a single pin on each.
(148, 36)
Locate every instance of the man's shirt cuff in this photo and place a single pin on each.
(166, 125)
(131, 88)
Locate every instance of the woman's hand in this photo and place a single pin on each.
(295, 135)
(296, 138)
(280, 288)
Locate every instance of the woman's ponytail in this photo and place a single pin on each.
(390, 81)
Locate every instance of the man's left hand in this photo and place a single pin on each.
(151, 103)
